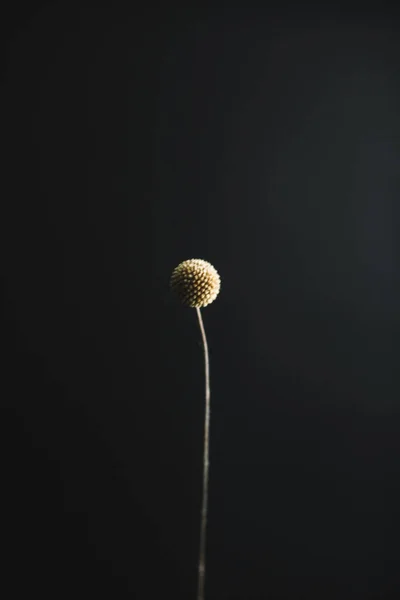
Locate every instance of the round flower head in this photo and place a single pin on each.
(196, 282)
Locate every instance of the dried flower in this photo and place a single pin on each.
(196, 282)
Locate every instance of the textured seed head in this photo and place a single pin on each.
(196, 282)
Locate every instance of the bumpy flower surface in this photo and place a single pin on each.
(196, 282)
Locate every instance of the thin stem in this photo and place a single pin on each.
(203, 526)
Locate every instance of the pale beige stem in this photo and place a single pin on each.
(203, 526)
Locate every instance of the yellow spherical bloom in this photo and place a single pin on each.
(196, 282)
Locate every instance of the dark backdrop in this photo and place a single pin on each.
(264, 141)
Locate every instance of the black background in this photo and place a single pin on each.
(264, 141)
